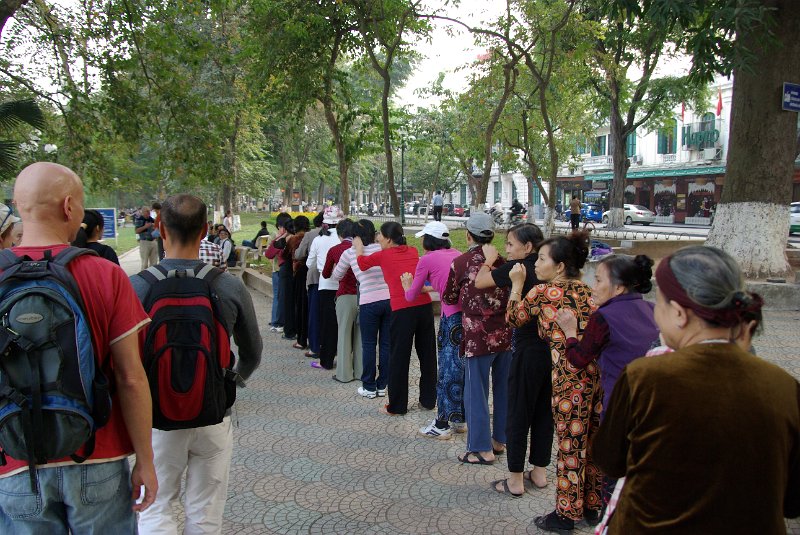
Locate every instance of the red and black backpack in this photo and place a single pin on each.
(187, 352)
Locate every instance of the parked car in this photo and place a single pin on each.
(458, 210)
(589, 212)
(794, 222)
(635, 213)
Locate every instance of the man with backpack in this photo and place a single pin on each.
(70, 321)
(194, 309)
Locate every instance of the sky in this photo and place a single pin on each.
(451, 46)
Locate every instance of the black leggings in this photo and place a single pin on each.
(529, 406)
(407, 325)
(328, 331)
(301, 305)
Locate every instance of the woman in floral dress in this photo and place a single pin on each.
(576, 391)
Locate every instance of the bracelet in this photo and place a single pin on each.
(518, 293)
(487, 265)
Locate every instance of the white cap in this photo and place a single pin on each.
(7, 218)
(436, 229)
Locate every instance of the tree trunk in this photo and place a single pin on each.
(7, 10)
(751, 222)
(387, 143)
(341, 155)
(616, 199)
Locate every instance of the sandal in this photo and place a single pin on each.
(505, 489)
(479, 458)
(298, 346)
(310, 354)
(555, 523)
(527, 477)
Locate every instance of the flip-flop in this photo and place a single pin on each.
(298, 346)
(480, 460)
(310, 354)
(505, 490)
(527, 478)
(318, 366)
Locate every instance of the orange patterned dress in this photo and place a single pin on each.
(576, 392)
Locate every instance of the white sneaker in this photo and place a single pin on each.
(431, 431)
(381, 392)
(458, 427)
(369, 394)
(278, 329)
(273, 329)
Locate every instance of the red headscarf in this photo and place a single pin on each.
(742, 303)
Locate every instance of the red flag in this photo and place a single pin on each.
(719, 102)
(683, 110)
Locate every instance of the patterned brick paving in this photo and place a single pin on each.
(313, 457)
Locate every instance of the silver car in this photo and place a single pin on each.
(635, 213)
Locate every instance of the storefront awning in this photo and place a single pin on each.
(651, 173)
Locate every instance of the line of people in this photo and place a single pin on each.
(552, 349)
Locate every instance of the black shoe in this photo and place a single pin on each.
(555, 523)
(592, 517)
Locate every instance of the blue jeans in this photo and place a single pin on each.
(375, 319)
(476, 399)
(450, 386)
(277, 304)
(85, 498)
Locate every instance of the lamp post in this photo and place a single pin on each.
(403, 181)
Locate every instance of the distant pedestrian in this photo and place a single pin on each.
(575, 213)
(143, 226)
(438, 205)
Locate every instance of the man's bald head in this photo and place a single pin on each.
(50, 194)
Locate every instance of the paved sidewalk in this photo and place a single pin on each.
(311, 456)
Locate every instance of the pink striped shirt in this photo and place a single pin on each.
(371, 284)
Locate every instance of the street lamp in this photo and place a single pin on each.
(403, 181)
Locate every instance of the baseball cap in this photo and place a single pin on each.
(436, 229)
(481, 224)
(7, 218)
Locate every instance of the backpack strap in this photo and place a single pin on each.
(9, 259)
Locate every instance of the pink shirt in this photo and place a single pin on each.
(435, 267)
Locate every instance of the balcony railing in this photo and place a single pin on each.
(668, 158)
(596, 163)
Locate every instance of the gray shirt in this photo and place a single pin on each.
(238, 314)
(301, 253)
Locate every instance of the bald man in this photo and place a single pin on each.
(100, 495)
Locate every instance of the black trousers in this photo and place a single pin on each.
(329, 329)
(529, 406)
(575, 221)
(412, 325)
(437, 213)
(301, 305)
(286, 281)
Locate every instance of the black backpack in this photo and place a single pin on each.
(53, 398)
(187, 352)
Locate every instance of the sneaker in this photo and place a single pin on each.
(369, 394)
(381, 392)
(278, 329)
(273, 329)
(431, 431)
(458, 427)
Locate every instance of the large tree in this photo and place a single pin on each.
(628, 52)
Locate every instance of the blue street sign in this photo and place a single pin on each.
(109, 222)
(791, 97)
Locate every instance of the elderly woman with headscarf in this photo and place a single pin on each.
(708, 437)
